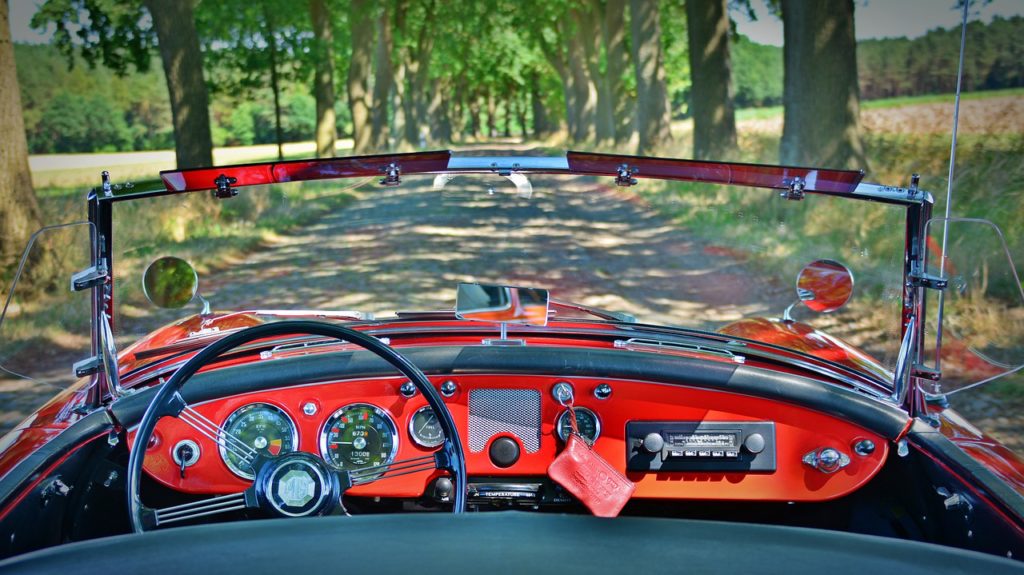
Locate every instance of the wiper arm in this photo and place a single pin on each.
(595, 311)
(657, 345)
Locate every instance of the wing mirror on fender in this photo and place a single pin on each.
(171, 282)
(823, 286)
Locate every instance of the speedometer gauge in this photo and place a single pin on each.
(263, 427)
(424, 427)
(587, 422)
(358, 436)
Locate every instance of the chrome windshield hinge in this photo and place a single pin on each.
(392, 175)
(928, 281)
(795, 191)
(90, 277)
(624, 175)
(87, 366)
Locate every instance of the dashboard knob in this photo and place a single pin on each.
(504, 452)
(653, 443)
(754, 443)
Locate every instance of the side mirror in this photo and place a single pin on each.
(502, 304)
(170, 282)
(824, 285)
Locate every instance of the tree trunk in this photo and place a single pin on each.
(714, 117)
(19, 212)
(614, 32)
(474, 115)
(821, 99)
(492, 113)
(323, 79)
(275, 84)
(183, 67)
(361, 22)
(653, 114)
(382, 83)
(541, 123)
(584, 91)
(591, 22)
(520, 107)
(437, 111)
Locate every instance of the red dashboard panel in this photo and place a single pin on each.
(798, 431)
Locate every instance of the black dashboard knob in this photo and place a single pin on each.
(653, 443)
(754, 443)
(504, 452)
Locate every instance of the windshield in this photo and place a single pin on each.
(670, 253)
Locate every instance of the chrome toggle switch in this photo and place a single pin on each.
(827, 459)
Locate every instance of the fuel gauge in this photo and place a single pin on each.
(425, 429)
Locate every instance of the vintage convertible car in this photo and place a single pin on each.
(530, 339)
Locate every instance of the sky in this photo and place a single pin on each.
(875, 18)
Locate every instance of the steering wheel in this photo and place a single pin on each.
(294, 484)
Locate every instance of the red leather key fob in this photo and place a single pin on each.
(590, 478)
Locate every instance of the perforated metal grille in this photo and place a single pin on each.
(512, 411)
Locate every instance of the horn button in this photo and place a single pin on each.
(296, 485)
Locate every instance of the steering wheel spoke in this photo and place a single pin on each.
(247, 455)
(196, 509)
(394, 469)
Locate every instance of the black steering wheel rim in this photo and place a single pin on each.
(159, 406)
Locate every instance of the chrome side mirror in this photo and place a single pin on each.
(824, 285)
(170, 282)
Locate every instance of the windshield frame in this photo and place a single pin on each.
(790, 182)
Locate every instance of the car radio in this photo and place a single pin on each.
(700, 446)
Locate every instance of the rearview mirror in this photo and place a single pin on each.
(170, 282)
(502, 304)
(824, 285)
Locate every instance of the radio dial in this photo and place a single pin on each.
(653, 443)
(754, 443)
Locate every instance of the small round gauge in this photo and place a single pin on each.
(357, 436)
(424, 427)
(262, 426)
(587, 422)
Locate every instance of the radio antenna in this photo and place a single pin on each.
(949, 184)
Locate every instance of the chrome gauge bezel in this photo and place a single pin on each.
(416, 438)
(565, 414)
(238, 413)
(377, 410)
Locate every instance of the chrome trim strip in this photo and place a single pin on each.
(510, 163)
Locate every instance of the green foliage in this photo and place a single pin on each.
(77, 123)
(900, 67)
(115, 33)
(756, 74)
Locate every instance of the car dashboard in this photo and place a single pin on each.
(674, 441)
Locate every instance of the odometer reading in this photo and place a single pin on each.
(586, 421)
(263, 427)
(359, 436)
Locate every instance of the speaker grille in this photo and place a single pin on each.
(504, 411)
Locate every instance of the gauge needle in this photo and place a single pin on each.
(426, 423)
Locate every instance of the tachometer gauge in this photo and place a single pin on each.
(263, 427)
(587, 422)
(424, 427)
(358, 436)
